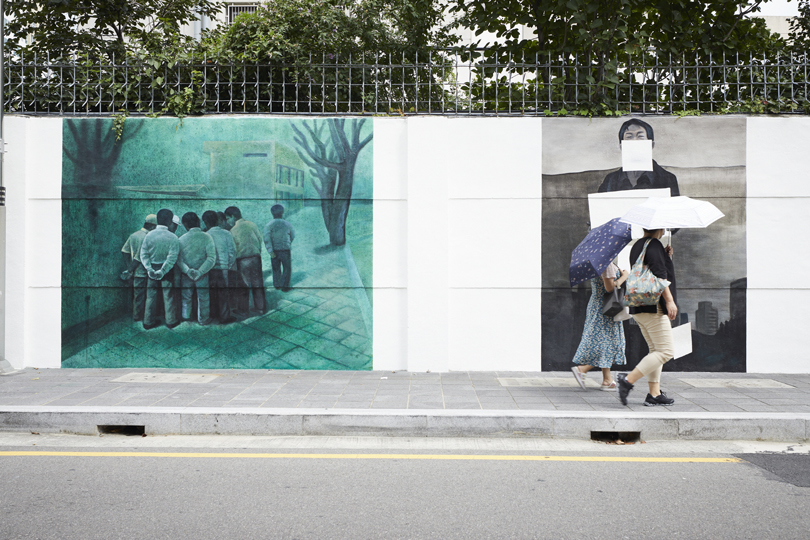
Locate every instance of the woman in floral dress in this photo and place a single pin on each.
(602, 344)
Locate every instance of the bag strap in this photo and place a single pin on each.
(643, 251)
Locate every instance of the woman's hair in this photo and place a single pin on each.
(650, 231)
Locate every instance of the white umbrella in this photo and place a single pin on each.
(672, 213)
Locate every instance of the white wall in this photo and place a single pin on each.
(33, 296)
(457, 218)
(778, 209)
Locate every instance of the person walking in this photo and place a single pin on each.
(654, 321)
(602, 343)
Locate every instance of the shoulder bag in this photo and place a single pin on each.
(643, 287)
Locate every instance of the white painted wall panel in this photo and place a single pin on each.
(43, 333)
(390, 158)
(14, 178)
(492, 157)
(495, 329)
(390, 329)
(428, 171)
(495, 243)
(390, 244)
(45, 158)
(778, 322)
(778, 161)
(771, 230)
(44, 256)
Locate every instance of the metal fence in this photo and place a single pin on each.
(441, 83)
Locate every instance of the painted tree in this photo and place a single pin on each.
(94, 152)
(332, 160)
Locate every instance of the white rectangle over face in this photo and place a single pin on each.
(637, 155)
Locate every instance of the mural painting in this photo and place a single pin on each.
(217, 243)
(702, 160)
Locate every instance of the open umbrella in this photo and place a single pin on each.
(672, 213)
(594, 253)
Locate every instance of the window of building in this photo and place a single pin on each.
(234, 10)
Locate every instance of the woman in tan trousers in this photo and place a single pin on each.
(654, 321)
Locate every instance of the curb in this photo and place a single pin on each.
(787, 427)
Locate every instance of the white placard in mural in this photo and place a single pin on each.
(637, 155)
(682, 339)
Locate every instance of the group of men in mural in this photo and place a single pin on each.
(220, 266)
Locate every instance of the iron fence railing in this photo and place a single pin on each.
(444, 82)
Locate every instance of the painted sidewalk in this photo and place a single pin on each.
(323, 323)
(283, 402)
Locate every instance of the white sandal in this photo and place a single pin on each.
(609, 387)
(579, 376)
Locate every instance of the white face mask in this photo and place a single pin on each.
(637, 155)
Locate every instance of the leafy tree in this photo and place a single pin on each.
(294, 29)
(569, 27)
(310, 44)
(800, 28)
(588, 39)
(99, 27)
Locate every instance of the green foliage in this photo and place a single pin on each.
(292, 30)
(118, 124)
(800, 27)
(584, 43)
(108, 28)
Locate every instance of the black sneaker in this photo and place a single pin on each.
(624, 387)
(660, 399)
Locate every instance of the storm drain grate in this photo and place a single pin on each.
(130, 431)
(616, 437)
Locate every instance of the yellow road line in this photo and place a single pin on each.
(619, 459)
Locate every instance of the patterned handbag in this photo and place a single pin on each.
(643, 288)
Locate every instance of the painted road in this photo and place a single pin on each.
(64, 487)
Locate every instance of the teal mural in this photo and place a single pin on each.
(217, 243)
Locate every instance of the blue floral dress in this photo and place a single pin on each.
(602, 344)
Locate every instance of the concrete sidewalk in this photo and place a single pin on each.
(492, 404)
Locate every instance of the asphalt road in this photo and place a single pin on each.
(354, 489)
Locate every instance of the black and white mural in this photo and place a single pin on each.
(699, 158)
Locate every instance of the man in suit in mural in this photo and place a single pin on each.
(248, 241)
(131, 252)
(621, 180)
(218, 276)
(197, 257)
(159, 252)
(278, 237)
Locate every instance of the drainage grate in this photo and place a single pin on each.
(616, 437)
(130, 431)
